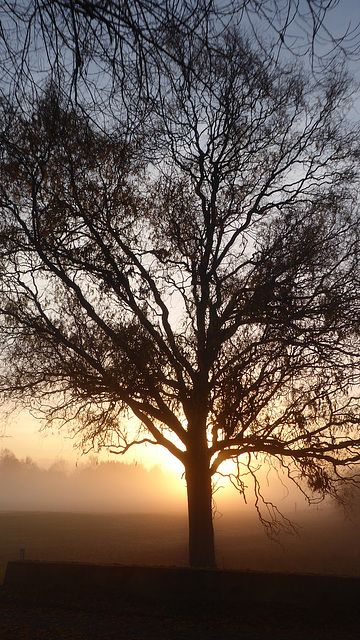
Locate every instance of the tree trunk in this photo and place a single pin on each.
(201, 530)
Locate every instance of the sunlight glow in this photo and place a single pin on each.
(22, 436)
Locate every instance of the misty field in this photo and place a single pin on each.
(326, 543)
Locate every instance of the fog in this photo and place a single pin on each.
(90, 487)
(119, 487)
(104, 512)
(115, 486)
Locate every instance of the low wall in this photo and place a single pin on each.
(181, 585)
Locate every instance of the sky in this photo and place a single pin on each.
(21, 433)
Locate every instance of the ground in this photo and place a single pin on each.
(29, 617)
(330, 546)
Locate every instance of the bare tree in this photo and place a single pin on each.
(202, 278)
(100, 51)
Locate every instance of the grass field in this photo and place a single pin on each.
(324, 544)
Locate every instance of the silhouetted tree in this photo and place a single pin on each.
(200, 275)
(99, 50)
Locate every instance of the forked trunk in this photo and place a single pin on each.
(201, 530)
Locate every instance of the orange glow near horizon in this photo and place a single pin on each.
(21, 435)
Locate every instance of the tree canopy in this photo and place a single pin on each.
(193, 264)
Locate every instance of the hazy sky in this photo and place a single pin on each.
(22, 436)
